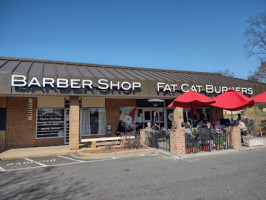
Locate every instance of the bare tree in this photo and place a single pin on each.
(256, 36)
(253, 78)
(226, 72)
(260, 73)
(256, 44)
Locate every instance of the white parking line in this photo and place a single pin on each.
(38, 163)
(2, 169)
(71, 159)
(62, 164)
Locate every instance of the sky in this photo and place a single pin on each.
(191, 35)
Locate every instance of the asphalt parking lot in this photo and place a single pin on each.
(236, 175)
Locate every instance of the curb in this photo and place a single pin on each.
(113, 155)
(36, 156)
(212, 153)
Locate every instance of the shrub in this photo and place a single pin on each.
(253, 117)
(132, 143)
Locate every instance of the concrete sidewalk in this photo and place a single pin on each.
(35, 152)
(64, 150)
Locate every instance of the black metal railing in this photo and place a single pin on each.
(203, 139)
(159, 139)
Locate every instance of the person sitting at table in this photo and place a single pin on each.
(188, 129)
(120, 129)
(148, 127)
(210, 129)
(218, 126)
(183, 126)
(188, 124)
(200, 124)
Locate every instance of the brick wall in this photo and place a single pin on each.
(49, 142)
(74, 123)
(2, 102)
(113, 111)
(178, 116)
(236, 138)
(177, 142)
(142, 137)
(2, 140)
(21, 132)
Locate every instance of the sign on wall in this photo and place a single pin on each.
(127, 116)
(50, 122)
(126, 86)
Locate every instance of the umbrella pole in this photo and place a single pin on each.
(231, 117)
(191, 116)
(210, 111)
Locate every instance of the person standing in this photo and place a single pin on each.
(242, 127)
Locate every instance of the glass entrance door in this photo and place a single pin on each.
(149, 114)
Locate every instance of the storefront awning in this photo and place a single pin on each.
(169, 80)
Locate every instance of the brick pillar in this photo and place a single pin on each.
(177, 142)
(74, 123)
(178, 116)
(2, 140)
(236, 138)
(142, 137)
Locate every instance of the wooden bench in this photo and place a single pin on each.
(106, 141)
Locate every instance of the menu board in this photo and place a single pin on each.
(50, 122)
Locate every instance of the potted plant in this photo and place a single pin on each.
(205, 147)
(193, 149)
(218, 141)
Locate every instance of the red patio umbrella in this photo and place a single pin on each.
(260, 98)
(233, 100)
(191, 99)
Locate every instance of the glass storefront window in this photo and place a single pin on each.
(93, 121)
(147, 116)
(50, 123)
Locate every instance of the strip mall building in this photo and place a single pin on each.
(45, 103)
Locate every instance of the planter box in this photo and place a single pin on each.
(255, 142)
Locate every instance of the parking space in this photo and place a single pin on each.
(17, 164)
(55, 160)
(50, 161)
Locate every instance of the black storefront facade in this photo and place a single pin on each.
(36, 97)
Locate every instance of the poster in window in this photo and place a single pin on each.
(127, 116)
(50, 123)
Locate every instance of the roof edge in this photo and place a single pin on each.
(102, 65)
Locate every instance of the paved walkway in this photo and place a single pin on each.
(35, 152)
(64, 150)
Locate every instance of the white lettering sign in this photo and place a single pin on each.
(104, 84)
(164, 87)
